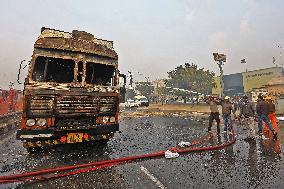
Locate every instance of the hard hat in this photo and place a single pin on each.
(227, 98)
(268, 98)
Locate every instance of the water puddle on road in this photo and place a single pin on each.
(251, 162)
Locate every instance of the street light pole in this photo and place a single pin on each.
(243, 61)
(280, 55)
(220, 59)
(220, 64)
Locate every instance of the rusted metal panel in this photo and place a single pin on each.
(63, 104)
(40, 105)
(75, 56)
(77, 104)
(58, 88)
(72, 123)
(79, 41)
(75, 45)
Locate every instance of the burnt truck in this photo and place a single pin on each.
(71, 92)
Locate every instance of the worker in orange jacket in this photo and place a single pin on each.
(270, 145)
(272, 115)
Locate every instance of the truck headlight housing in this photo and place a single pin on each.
(105, 119)
(30, 122)
(41, 122)
(112, 119)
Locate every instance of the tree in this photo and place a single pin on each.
(190, 77)
(130, 93)
(145, 88)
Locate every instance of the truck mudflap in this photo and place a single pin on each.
(47, 137)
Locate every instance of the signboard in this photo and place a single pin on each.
(216, 89)
(259, 78)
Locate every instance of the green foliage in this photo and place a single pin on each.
(145, 88)
(130, 93)
(190, 77)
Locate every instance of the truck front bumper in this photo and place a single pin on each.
(52, 136)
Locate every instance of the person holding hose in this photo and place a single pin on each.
(272, 115)
(227, 109)
(247, 111)
(246, 108)
(214, 112)
(262, 109)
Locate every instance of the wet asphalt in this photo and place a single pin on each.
(249, 163)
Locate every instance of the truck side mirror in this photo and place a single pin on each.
(22, 68)
(122, 83)
(122, 79)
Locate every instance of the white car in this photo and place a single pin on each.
(142, 100)
(131, 103)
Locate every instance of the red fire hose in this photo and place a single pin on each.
(30, 176)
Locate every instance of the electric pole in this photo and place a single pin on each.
(220, 59)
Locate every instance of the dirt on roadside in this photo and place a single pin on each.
(203, 108)
(166, 110)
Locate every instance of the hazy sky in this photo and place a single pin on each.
(151, 37)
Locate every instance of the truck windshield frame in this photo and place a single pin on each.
(56, 70)
(100, 74)
(63, 70)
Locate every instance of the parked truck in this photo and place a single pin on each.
(71, 92)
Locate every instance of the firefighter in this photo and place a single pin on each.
(227, 109)
(246, 108)
(214, 112)
(236, 105)
(247, 111)
(272, 115)
(262, 109)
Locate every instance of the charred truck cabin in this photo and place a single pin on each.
(71, 93)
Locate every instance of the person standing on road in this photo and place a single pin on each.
(236, 105)
(262, 109)
(214, 112)
(247, 111)
(271, 116)
(246, 108)
(227, 109)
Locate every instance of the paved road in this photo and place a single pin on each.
(250, 163)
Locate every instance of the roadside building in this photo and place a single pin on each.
(216, 89)
(251, 82)
(258, 91)
(260, 78)
(233, 84)
(280, 105)
(276, 87)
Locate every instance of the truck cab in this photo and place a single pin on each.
(71, 93)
